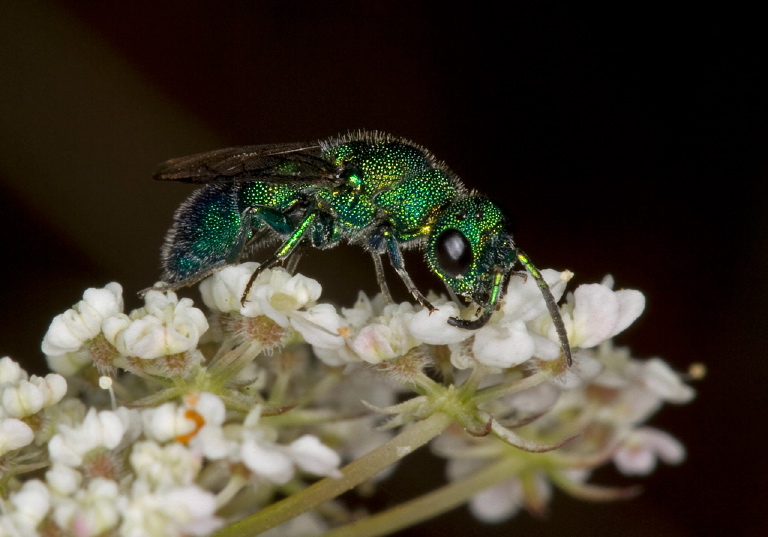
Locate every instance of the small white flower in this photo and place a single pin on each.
(502, 500)
(27, 507)
(320, 326)
(165, 466)
(102, 429)
(209, 438)
(283, 294)
(167, 422)
(433, 328)
(63, 480)
(176, 512)
(599, 313)
(275, 293)
(71, 329)
(665, 383)
(506, 341)
(91, 511)
(584, 368)
(503, 344)
(523, 299)
(22, 400)
(534, 401)
(643, 385)
(197, 423)
(314, 457)
(11, 372)
(28, 397)
(68, 364)
(619, 367)
(336, 357)
(224, 289)
(275, 462)
(14, 434)
(363, 310)
(637, 454)
(266, 460)
(388, 336)
(499, 502)
(164, 326)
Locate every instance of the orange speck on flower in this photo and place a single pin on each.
(195, 416)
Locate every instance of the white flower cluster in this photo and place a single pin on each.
(164, 326)
(95, 330)
(71, 331)
(212, 418)
(22, 398)
(287, 301)
(629, 392)
(522, 328)
(87, 492)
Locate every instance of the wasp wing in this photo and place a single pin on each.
(296, 163)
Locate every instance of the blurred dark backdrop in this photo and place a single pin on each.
(629, 142)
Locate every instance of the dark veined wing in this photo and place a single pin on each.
(299, 163)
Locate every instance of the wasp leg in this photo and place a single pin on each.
(241, 240)
(257, 237)
(380, 277)
(293, 261)
(285, 250)
(396, 258)
(280, 222)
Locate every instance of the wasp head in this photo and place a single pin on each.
(470, 249)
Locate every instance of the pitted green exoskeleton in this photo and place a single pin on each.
(379, 191)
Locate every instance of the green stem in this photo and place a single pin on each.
(431, 504)
(353, 474)
(500, 390)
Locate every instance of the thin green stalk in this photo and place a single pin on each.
(500, 390)
(431, 504)
(353, 474)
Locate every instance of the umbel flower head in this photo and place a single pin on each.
(227, 412)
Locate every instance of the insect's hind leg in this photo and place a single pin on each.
(293, 260)
(380, 277)
(288, 247)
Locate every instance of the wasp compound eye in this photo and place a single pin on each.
(454, 253)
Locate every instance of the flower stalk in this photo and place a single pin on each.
(355, 473)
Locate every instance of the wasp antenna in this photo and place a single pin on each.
(551, 303)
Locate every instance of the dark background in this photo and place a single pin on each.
(629, 142)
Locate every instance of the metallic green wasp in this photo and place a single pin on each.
(368, 188)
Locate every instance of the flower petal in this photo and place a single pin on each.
(503, 345)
